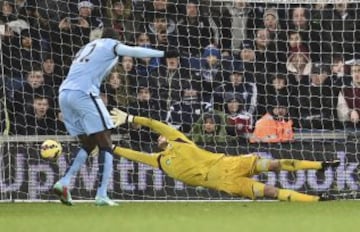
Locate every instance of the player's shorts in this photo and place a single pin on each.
(84, 113)
(233, 175)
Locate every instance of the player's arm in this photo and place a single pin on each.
(119, 117)
(137, 52)
(149, 159)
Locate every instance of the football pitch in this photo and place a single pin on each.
(337, 216)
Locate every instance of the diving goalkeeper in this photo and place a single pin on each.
(183, 160)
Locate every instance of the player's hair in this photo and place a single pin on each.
(109, 33)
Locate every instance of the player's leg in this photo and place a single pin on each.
(61, 187)
(88, 145)
(252, 189)
(72, 112)
(288, 195)
(264, 165)
(105, 160)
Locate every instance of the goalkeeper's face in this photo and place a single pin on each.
(162, 142)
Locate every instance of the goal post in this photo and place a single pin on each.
(298, 53)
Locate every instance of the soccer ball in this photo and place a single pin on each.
(50, 149)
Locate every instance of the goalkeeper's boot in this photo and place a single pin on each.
(327, 164)
(352, 195)
(327, 197)
(104, 201)
(63, 193)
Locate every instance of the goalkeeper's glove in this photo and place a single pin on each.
(120, 117)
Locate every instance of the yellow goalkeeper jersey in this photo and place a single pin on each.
(182, 159)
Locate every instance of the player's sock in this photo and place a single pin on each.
(105, 171)
(294, 165)
(290, 195)
(79, 160)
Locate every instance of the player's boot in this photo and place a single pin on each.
(105, 201)
(327, 164)
(63, 193)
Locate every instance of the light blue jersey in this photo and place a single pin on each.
(83, 110)
(94, 61)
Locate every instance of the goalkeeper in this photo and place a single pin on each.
(183, 160)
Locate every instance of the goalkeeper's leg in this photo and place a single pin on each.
(288, 195)
(264, 165)
(253, 189)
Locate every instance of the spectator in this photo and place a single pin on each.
(70, 34)
(349, 105)
(193, 31)
(128, 75)
(119, 14)
(295, 42)
(338, 68)
(145, 106)
(316, 100)
(85, 9)
(30, 13)
(344, 29)
(36, 120)
(278, 87)
(162, 31)
(183, 114)
(247, 56)
(234, 21)
(53, 10)
(165, 82)
(145, 66)
(115, 89)
(317, 40)
(23, 53)
(210, 129)
(257, 57)
(265, 51)
(298, 64)
(33, 86)
(7, 13)
(238, 85)
(274, 126)
(211, 71)
(142, 39)
(276, 34)
(144, 9)
(53, 75)
(239, 121)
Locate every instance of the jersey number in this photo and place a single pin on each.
(84, 58)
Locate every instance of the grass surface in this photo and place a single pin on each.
(185, 217)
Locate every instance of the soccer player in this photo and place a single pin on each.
(181, 159)
(85, 115)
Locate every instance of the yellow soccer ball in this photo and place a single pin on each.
(50, 149)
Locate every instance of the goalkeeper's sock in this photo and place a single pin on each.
(79, 160)
(293, 196)
(105, 171)
(294, 165)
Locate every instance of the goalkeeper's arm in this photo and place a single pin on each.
(149, 159)
(119, 117)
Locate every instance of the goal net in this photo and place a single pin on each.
(277, 78)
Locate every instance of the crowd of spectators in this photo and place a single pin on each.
(241, 67)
